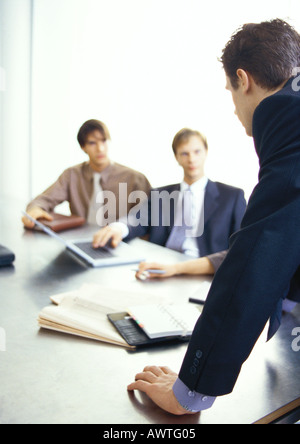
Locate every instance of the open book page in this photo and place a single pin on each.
(84, 311)
(162, 320)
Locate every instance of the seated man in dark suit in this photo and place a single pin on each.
(216, 209)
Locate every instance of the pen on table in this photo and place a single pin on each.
(150, 271)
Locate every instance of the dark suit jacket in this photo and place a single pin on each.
(224, 207)
(261, 267)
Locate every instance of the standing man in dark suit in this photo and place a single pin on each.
(216, 209)
(261, 63)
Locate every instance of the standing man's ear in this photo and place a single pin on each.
(244, 80)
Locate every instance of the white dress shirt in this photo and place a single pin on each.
(96, 201)
(190, 246)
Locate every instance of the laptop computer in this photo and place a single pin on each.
(100, 257)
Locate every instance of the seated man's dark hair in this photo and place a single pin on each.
(89, 127)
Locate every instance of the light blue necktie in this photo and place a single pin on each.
(182, 227)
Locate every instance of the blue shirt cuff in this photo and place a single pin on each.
(288, 305)
(191, 400)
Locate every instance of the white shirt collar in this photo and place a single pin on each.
(196, 187)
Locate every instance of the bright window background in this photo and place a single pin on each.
(146, 68)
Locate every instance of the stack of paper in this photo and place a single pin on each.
(84, 312)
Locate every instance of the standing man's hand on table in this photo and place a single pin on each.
(157, 383)
(35, 213)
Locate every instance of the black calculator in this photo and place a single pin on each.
(7, 257)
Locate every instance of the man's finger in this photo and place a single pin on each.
(107, 236)
(146, 376)
(156, 276)
(167, 370)
(153, 369)
(139, 385)
(142, 275)
(98, 237)
(116, 239)
(148, 266)
(46, 216)
(27, 222)
(96, 241)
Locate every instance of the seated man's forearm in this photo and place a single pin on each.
(195, 267)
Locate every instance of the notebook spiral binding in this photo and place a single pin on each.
(177, 322)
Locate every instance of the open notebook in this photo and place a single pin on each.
(159, 321)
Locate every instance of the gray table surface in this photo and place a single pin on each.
(51, 378)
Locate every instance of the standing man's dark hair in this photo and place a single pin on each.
(269, 51)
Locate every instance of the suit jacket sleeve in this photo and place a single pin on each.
(262, 260)
(139, 223)
(238, 211)
(216, 259)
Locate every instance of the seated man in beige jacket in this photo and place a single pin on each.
(81, 184)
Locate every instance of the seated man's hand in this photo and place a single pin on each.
(143, 273)
(106, 234)
(35, 213)
(157, 383)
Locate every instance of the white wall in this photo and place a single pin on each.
(15, 97)
(146, 68)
